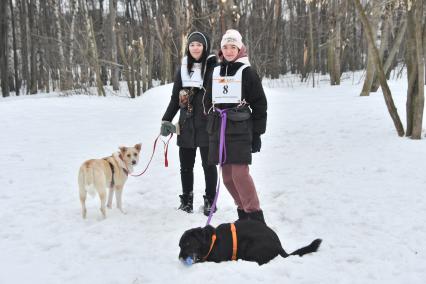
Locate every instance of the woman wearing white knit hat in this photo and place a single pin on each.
(236, 90)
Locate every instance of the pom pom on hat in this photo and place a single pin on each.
(232, 37)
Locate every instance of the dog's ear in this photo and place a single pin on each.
(138, 147)
(122, 149)
(208, 232)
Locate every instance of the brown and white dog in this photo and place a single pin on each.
(96, 175)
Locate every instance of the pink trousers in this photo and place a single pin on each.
(239, 183)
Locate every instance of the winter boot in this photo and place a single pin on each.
(186, 202)
(242, 215)
(257, 215)
(208, 202)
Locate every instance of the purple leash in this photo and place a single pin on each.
(222, 153)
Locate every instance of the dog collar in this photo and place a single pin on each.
(125, 170)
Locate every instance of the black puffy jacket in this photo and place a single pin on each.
(192, 127)
(239, 133)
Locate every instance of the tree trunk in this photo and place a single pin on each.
(334, 44)
(323, 50)
(384, 44)
(311, 43)
(163, 34)
(63, 84)
(415, 70)
(93, 53)
(114, 68)
(150, 59)
(33, 55)
(371, 68)
(276, 39)
(23, 16)
(101, 44)
(420, 96)
(392, 53)
(70, 74)
(382, 77)
(143, 66)
(338, 44)
(292, 43)
(15, 53)
(126, 61)
(4, 48)
(424, 44)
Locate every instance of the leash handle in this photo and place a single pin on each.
(166, 162)
(166, 150)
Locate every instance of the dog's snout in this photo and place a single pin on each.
(133, 162)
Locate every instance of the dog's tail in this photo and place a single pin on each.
(313, 247)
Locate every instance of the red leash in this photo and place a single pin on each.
(166, 148)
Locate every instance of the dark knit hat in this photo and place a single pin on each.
(199, 37)
(205, 41)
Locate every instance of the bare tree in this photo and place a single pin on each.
(23, 22)
(114, 68)
(15, 51)
(63, 84)
(392, 54)
(92, 53)
(382, 77)
(32, 11)
(371, 67)
(334, 44)
(4, 48)
(415, 68)
(311, 41)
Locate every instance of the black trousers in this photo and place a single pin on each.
(187, 161)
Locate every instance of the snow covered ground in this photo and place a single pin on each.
(331, 167)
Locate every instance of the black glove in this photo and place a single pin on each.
(256, 144)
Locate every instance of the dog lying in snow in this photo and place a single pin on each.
(248, 240)
(111, 172)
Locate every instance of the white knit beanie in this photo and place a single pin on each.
(232, 37)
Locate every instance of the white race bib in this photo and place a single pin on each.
(227, 90)
(193, 79)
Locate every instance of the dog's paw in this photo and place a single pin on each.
(123, 211)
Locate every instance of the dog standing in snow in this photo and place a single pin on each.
(96, 175)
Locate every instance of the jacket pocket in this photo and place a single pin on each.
(238, 115)
(185, 120)
(237, 127)
(212, 123)
(238, 121)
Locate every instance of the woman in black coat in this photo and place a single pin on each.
(188, 97)
(236, 91)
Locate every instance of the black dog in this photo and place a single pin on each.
(252, 241)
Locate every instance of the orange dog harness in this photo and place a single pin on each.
(234, 243)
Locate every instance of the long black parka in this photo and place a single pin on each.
(192, 124)
(239, 133)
